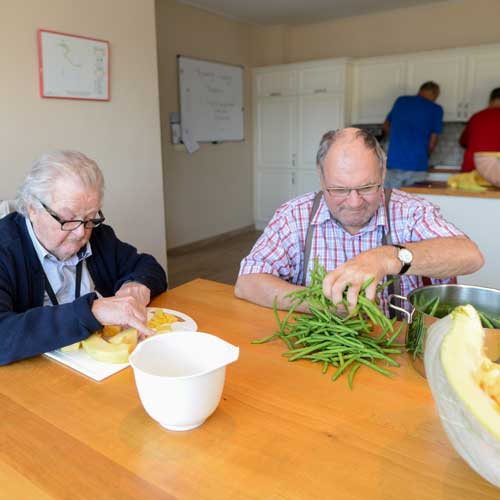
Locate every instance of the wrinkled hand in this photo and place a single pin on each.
(140, 292)
(352, 274)
(125, 311)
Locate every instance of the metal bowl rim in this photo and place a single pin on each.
(451, 286)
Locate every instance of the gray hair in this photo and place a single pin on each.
(332, 136)
(39, 183)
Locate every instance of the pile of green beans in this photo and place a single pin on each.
(323, 336)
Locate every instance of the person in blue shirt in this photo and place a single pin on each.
(63, 272)
(412, 126)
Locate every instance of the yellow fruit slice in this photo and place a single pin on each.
(96, 347)
(71, 347)
(128, 336)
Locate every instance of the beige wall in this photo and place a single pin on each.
(209, 192)
(122, 135)
(455, 23)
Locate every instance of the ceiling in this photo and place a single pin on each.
(294, 12)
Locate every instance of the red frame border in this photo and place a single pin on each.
(40, 66)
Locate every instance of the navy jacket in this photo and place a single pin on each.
(27, 328)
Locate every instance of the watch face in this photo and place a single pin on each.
(405, 256)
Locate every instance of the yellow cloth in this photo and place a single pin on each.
(469, 181)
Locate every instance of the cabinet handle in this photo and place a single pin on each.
(275, 94)
(293, 178)
(459, 110)
(466, 110)
(319, 91)
(293, 159)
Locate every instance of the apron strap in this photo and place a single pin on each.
(50, 291)
(309, 236)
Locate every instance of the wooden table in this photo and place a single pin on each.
(282, 430)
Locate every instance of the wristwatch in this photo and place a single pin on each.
(405, 257)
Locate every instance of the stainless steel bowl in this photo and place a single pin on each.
(486, 300)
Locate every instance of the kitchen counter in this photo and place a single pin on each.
(282, 430)
(475, 214)
(441, 188)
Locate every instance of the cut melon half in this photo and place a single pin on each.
(465, 385)
(101, 350)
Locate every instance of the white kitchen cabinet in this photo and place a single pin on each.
(272, 188)
(288, 130)
(306, 181)
(317, 114)
(447, 69)
(276, 82)
(275, 132)
(483, 75)
(316, 79)
(377, 83)
(466, 77)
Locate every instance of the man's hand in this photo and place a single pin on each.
(354, 272)
(125, 311)
(139, 291)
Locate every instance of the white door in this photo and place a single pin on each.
(306, 181)
(483, 77)
(318, 113)
(275, 135)
(272, 189)
(448, 71)
(376, 85)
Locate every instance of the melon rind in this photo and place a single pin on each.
(475, 440)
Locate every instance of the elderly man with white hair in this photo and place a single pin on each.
(63, 272)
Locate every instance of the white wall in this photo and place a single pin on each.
(209, 192)
(122, 135)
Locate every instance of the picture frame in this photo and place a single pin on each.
(73, 66)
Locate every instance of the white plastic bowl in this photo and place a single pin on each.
(180, 376)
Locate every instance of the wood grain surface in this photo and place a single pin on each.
(282, 430)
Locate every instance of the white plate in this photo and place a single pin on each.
(97, 370)
(188, 325)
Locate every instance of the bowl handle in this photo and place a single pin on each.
(409, 315)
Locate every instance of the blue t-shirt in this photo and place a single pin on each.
(413, 119)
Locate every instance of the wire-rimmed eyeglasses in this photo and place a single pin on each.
(71, 225)
(341, 193)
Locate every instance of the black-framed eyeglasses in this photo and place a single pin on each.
(341, 193)
(71, 225)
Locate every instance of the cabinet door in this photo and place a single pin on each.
(275, 135)
(306, 181)
(448, 71)
(483, 77)
(272, 189)
(277, 82)
(376, 85)
(324, 78)
(318, 113)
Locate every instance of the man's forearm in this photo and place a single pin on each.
(262, 289)
(439, 257)
(433, 143)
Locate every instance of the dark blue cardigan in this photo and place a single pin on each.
(27, 328)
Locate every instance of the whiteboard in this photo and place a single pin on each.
(211, 100)
(72, 66)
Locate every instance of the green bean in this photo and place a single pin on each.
(324, 336)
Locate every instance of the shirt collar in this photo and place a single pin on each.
(43, 253)
(323, 215)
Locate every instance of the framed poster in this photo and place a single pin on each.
(73, 67)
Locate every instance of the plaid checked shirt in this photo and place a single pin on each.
(280, 249)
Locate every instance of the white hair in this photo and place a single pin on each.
(39, 183)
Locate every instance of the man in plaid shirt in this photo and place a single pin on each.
(349, 224)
